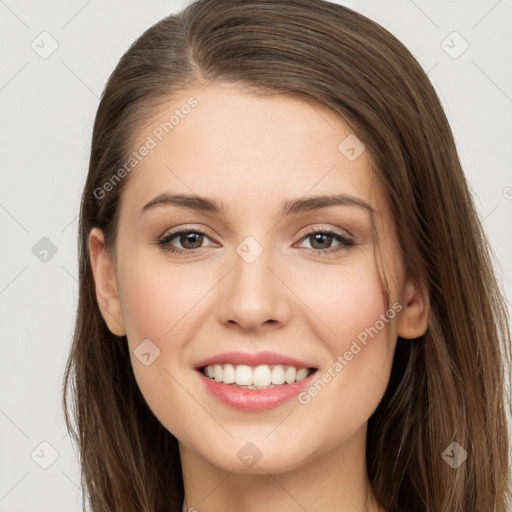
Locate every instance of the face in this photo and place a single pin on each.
(255, 285)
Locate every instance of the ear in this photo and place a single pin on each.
(103, 270)
(413, 319)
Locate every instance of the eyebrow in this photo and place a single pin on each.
(289, 207)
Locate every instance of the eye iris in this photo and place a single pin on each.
(190, 238)
(318, 238)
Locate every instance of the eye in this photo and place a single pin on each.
(321, 242)
(190, 239)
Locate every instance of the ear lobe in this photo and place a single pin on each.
(413, 320)
(104, 275)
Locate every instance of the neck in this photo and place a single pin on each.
(331, 481)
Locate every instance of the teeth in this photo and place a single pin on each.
(243, 375)
(229, 374)
(290, 375)
(217, 372)
(301, 374)
(259, 377)
(278, 375)
(262, 376)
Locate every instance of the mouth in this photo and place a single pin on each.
(255, 377)
(254, 382)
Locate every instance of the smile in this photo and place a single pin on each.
(259, 377)
(254, 382)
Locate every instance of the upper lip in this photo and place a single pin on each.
(257, 359)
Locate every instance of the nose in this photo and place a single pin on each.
(254, 295)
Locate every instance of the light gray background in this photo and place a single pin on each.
(47, 111)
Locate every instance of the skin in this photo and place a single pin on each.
(252, 153)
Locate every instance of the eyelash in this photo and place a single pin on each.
(345, 242)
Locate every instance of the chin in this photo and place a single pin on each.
(254, 457)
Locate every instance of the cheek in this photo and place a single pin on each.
(359, 331)
(158, 302)
(346, 300)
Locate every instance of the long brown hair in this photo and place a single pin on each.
(447, 386)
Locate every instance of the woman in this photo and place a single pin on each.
(286, 297)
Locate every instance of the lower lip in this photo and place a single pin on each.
(255, 399)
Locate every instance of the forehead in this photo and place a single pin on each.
(247, 150)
